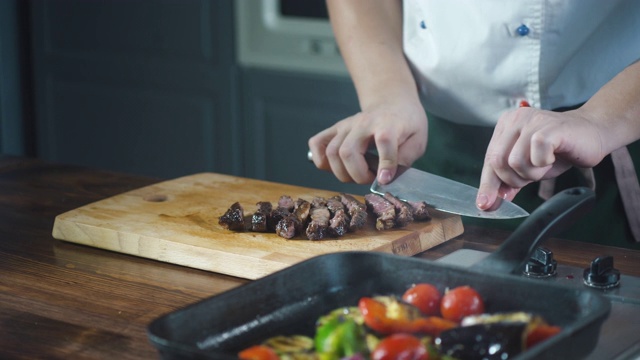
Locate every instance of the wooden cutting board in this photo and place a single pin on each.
(176, 221)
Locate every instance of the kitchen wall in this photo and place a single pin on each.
(153, 87)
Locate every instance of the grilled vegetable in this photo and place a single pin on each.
(290, 344)
(258, 352)
(340, 334)
(400, 346)
(387, 315)
(483, 341)
(494, 336)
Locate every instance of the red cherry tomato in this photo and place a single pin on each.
(425, 297)
(258, 352)
(460, 302)
(400, 347)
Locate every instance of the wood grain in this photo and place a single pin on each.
(176, 221)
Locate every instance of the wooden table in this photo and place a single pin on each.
(61, 300)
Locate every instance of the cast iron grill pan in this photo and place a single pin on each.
(291, 300)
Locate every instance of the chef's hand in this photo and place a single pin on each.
(530, 145)
(398, 129)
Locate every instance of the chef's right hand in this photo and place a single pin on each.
(398, 130)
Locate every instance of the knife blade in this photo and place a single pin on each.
(441, 193)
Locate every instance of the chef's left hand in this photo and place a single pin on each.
(530, 145)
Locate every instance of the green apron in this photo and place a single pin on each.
(457, 151)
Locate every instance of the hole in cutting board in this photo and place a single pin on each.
(155, 198)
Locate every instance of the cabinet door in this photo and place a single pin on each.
(136, 86)
(280, 112)
(13, 122)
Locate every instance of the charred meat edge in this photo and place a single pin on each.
(339, 223)
(260, 218)
(384, 210)
(233, 218)
(420, 210)
(357, 211)
(404, 212)
(318, 227)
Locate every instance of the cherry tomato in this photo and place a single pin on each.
(425, 297)
(400, 347)
(258, 352)
(460, 302)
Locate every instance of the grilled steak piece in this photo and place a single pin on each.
(275, 216)
(260, 218)
(288, 226)
(404, 213)
(420, 210)
(357, 211)
(318, 227)
(339, 223)
(384, 210)
(318, 202)
(233, 218)
(301, 209)
(286, 202)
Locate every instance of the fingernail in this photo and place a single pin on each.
(482, 200)
(384, 177)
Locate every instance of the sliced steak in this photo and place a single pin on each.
(260, 218)
(286, 202)
(276, 215)
(318, 202)
(404, 213)
(288, 226)
(301, 209)
(233, 218)
(318, 227)
(339, 223)
(384, 210)
(357, 211)
(420, 210)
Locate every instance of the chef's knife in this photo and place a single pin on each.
(440, 193)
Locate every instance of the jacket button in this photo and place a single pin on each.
(522, 30)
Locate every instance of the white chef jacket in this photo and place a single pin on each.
(474, 59)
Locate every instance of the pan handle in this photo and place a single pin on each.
(554, 215)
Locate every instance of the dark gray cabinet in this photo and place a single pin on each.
(153, 87)
(137, 86)
(14, 122)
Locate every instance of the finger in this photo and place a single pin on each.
(318, 146)
(351, 153)
(500, 160)
(542, 150)
(387, 146)
(521, 160)
(489, 186)
(335, 161)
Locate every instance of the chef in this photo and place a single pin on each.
(505, 94)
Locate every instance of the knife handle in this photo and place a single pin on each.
(370, 156)
(372, 161)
